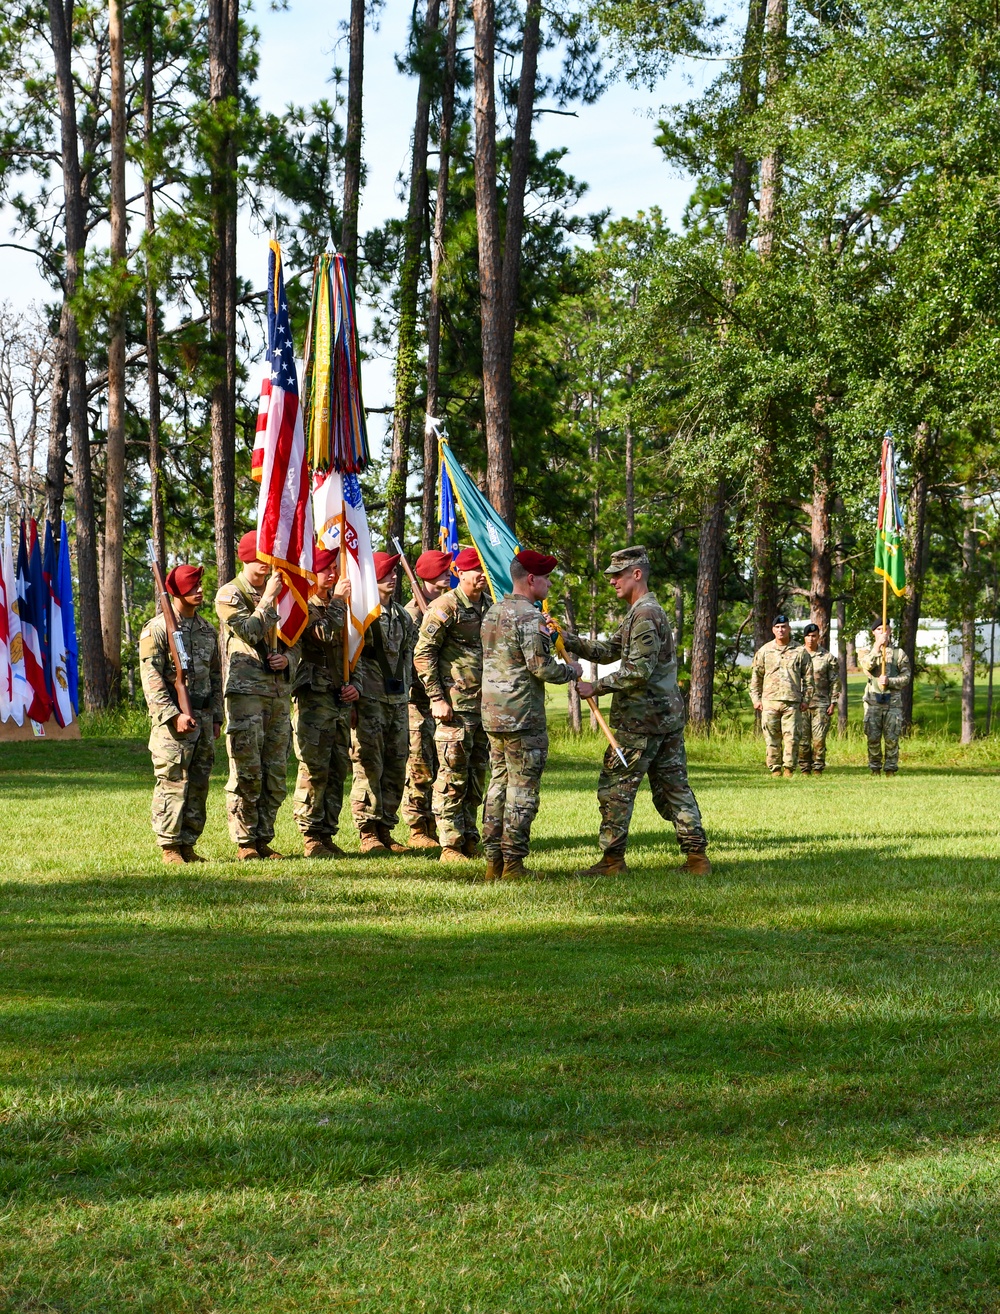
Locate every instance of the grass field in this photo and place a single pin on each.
(376, 1087)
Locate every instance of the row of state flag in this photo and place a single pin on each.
(39, 662)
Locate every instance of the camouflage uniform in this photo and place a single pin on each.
(647, 712)
(321, 723)
(379, 743)
(884, 710)
(449, 661)
(422, 763)
(517, 664)
(258, 728)
(782, 680)
(815, 722)
(182, 764)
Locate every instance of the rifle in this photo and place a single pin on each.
(419, 596)
(591, 702)
(175, 639)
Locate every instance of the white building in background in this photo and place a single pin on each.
(935, 642)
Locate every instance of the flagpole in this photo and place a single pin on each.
(885, 621)
(343, 575)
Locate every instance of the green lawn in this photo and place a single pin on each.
(378, 1087)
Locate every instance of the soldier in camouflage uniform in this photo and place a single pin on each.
(433, 569)
(258, 726)
(888, 671)
(379, 742)
(647, 712)
(781, 688)
(517, 664)
(449, 661)
(815, 722)
(321, 711)
(182, 747)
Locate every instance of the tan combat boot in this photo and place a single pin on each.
(515, 870)
(315, 848)
(189, 854)
(609, 864)
(247, 853)
(265, 851)
(494, 866)
(385, 835)
(173, 856)
(370, 841)
(335, 849)
(421, 837)
(697, 864)
(788, 773)
(471, 847)
(448, 854)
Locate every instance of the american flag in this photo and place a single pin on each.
(284, 510)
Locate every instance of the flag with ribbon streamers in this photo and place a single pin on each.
(889, 564)
(336, 431)
(339, 512)
(284, 506)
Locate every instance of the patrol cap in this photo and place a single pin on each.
(780, 619)
(811, 629)
(629, 558)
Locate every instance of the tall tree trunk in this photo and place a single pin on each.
(630, 456)
(223, 58)
(916, 518)
(776, 33)
(55, 465)
(821, 557)
(428, 515)
(765, 573)
(95, 683)
(594, 453)
(114, 469)
(706, 608)
(159, 527)
(969, 621)
(496, 379)
(841, 625)
(352, 139)
(409, 285)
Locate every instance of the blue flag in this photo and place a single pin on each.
(493, 541)
(64, 590)
(448, 532)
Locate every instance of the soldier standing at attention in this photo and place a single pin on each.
(449, 662)
(647, 711)
(182, 747)
(379, 742)
(433, 569)
(888, 671)
(321, 715)
(517, 664)
(826, 691)
(258, 727)
(781, 686)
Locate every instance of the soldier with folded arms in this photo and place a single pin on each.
(258, 724)
(433, 569)
(182, 747)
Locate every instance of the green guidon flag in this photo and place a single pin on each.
(889, 531)
(493, 541)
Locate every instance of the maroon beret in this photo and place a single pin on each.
(536, 563)
(183, 580)
(432, 564)
(468, 559)
(324, 558)
(246, 549)
(384, 563)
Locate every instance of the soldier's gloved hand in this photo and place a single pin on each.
(348, 693)
(184, 724)
(441, 709)
(342, 589)
(585, 689)
(277, 661)
(576, 668)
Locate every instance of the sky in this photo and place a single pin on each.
(610, 144)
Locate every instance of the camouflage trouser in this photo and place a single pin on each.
(321, 735)
(463, 750)
(378, 752)
(883, 723)
(663, 759)
(258, 730)
(421, 768)
(780, 723)
(516, 765)
(813, 728)
(182, 766)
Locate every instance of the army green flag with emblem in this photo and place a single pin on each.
(889, 564)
